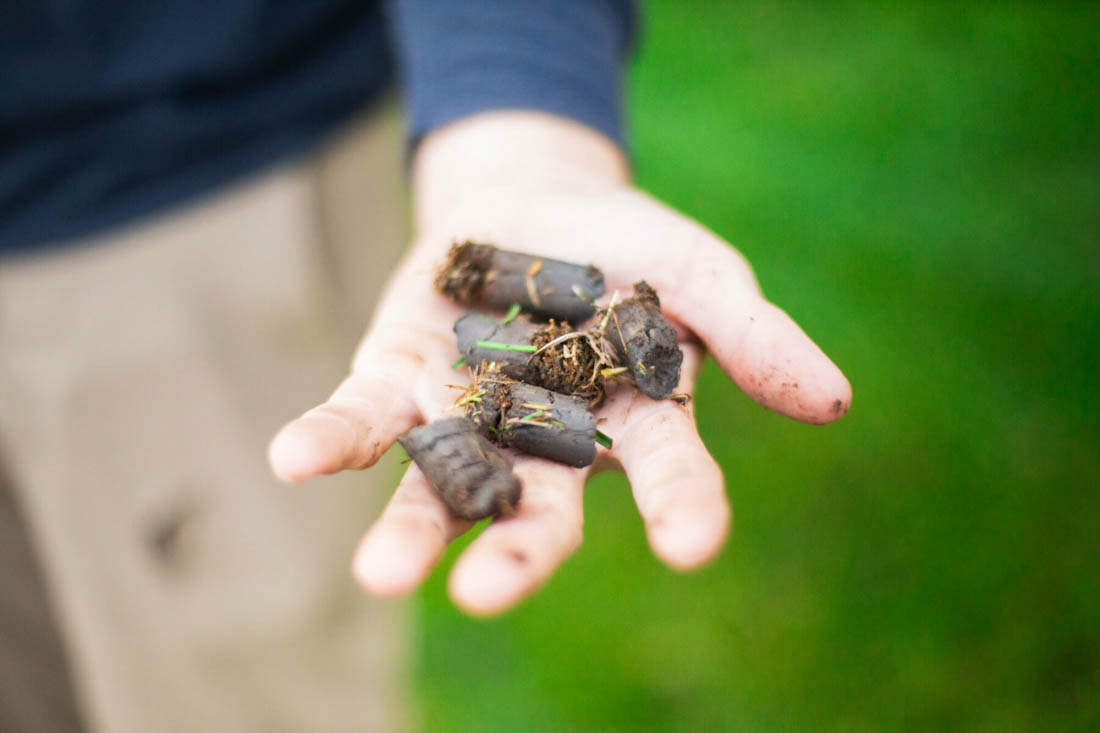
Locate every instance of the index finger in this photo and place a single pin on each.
(757, 345)
(705, 285)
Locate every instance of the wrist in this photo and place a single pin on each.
(512, 150)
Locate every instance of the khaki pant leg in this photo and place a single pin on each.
(36, 694)
(141, 377)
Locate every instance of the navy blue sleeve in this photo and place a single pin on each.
(460, 57)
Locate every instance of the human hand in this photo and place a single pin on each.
(544, 185)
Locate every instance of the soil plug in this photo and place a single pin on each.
(468, 473)
(510, 345)
(533, 420)
(549, 355)
(645, 341)
(482, 275)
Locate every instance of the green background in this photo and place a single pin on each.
(919, 187)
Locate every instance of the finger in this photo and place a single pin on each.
(406, 542)
(382, 398)
(758, 345)
(513, 557)
(677, 485)
(350, 431)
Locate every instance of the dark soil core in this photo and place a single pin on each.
(468, 473)
(644, 341)
(532, 419)
(487, 276)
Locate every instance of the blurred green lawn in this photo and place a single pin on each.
(919, 187)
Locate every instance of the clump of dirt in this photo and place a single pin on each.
(572, 362)
(466, 471)
(486, 276)
(644, 341)
(551, 355)
(462, 275)
(486, 399)
(531, 419)
(632, 338)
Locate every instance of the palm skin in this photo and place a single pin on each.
(543, 185)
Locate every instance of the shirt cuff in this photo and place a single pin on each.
(458, 58)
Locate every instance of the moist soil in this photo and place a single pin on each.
(644, 341)
(484, 275)
(467, 472)
(532, 419)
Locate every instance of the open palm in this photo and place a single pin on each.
(403, 366)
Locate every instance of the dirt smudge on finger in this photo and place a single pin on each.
(517, 556)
